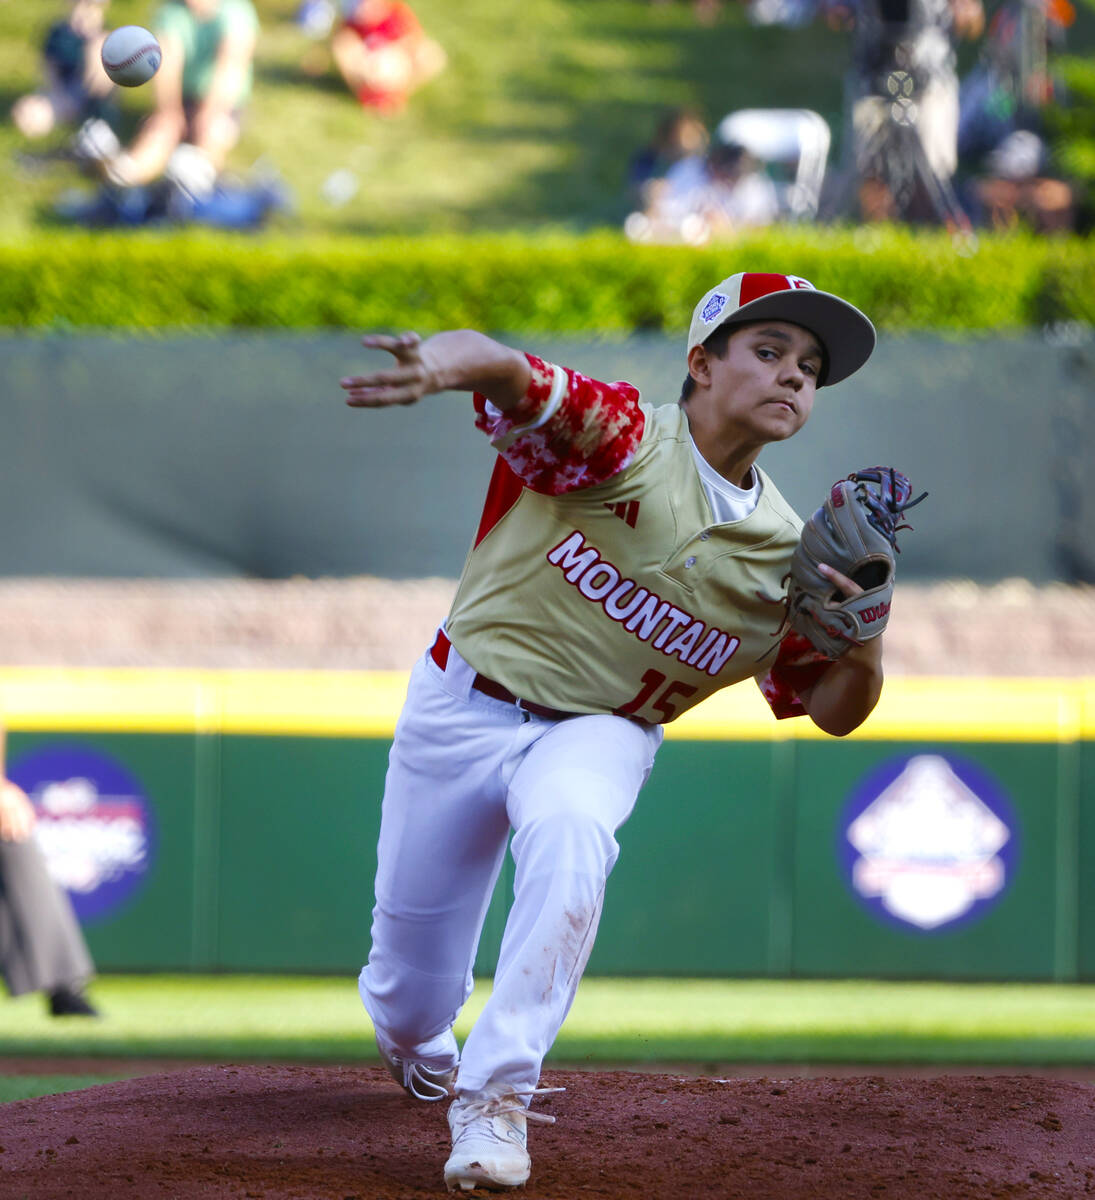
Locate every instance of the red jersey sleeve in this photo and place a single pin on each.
(798, 666)
(567, 432)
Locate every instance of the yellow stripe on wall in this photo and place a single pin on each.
(132, 700)
(367, 703)
(912, 708)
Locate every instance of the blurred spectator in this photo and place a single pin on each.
(382, 53)
(904, 110)
(200, 90)
(1011, 83)
(1001, 141)
(1017, 189)
(706, 197)
(42, 948)
(172, 171)
(76, 86)
(681, 133)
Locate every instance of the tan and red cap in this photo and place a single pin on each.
(846, 335)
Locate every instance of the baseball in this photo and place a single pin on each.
(131, 55)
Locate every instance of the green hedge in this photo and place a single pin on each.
(554, 282)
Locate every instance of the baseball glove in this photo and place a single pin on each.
(855, 532)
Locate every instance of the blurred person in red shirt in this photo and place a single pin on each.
(383, 54)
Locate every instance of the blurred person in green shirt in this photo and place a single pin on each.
(201, 90)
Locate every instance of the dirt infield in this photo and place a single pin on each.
(329, 1133)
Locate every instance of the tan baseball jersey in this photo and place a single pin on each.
(599, 581)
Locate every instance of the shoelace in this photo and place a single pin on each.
(422, 1082)
(507, 1102)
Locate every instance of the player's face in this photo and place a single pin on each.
(762, 389)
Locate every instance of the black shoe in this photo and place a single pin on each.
(70, 1002)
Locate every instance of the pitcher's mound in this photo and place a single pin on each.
(329, 1133)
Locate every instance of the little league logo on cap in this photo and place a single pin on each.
(713, 307)
(846, 335)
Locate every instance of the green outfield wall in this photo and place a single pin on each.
(227, 821)
(235, 456)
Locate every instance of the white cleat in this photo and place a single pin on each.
(489, 1130)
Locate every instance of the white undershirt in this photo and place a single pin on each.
(728, 503)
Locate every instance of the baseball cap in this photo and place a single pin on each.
(846, 335)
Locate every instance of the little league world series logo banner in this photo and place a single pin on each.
(928, 842)
(94, 824)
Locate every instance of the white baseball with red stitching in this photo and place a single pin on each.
(131, 55)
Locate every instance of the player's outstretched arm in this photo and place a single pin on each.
(845, 696)
(460, 360)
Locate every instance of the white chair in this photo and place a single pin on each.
(796, 139)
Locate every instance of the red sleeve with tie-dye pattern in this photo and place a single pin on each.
(567, 432)
(798, 666)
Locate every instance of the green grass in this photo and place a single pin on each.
(647, 1021)
(264, 1018)
(27, 1087)
(532, 124)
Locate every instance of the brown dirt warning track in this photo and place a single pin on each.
(331, 1133)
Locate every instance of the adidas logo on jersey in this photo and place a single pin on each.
(626, 510)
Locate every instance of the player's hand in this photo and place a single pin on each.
(848, 587)
(868, 655)
(406, 382)
(16, 813)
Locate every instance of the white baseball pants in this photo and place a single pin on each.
(464, 770)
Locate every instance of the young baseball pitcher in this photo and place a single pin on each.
(630, 561)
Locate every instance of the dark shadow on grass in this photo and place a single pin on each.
(293, 77)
